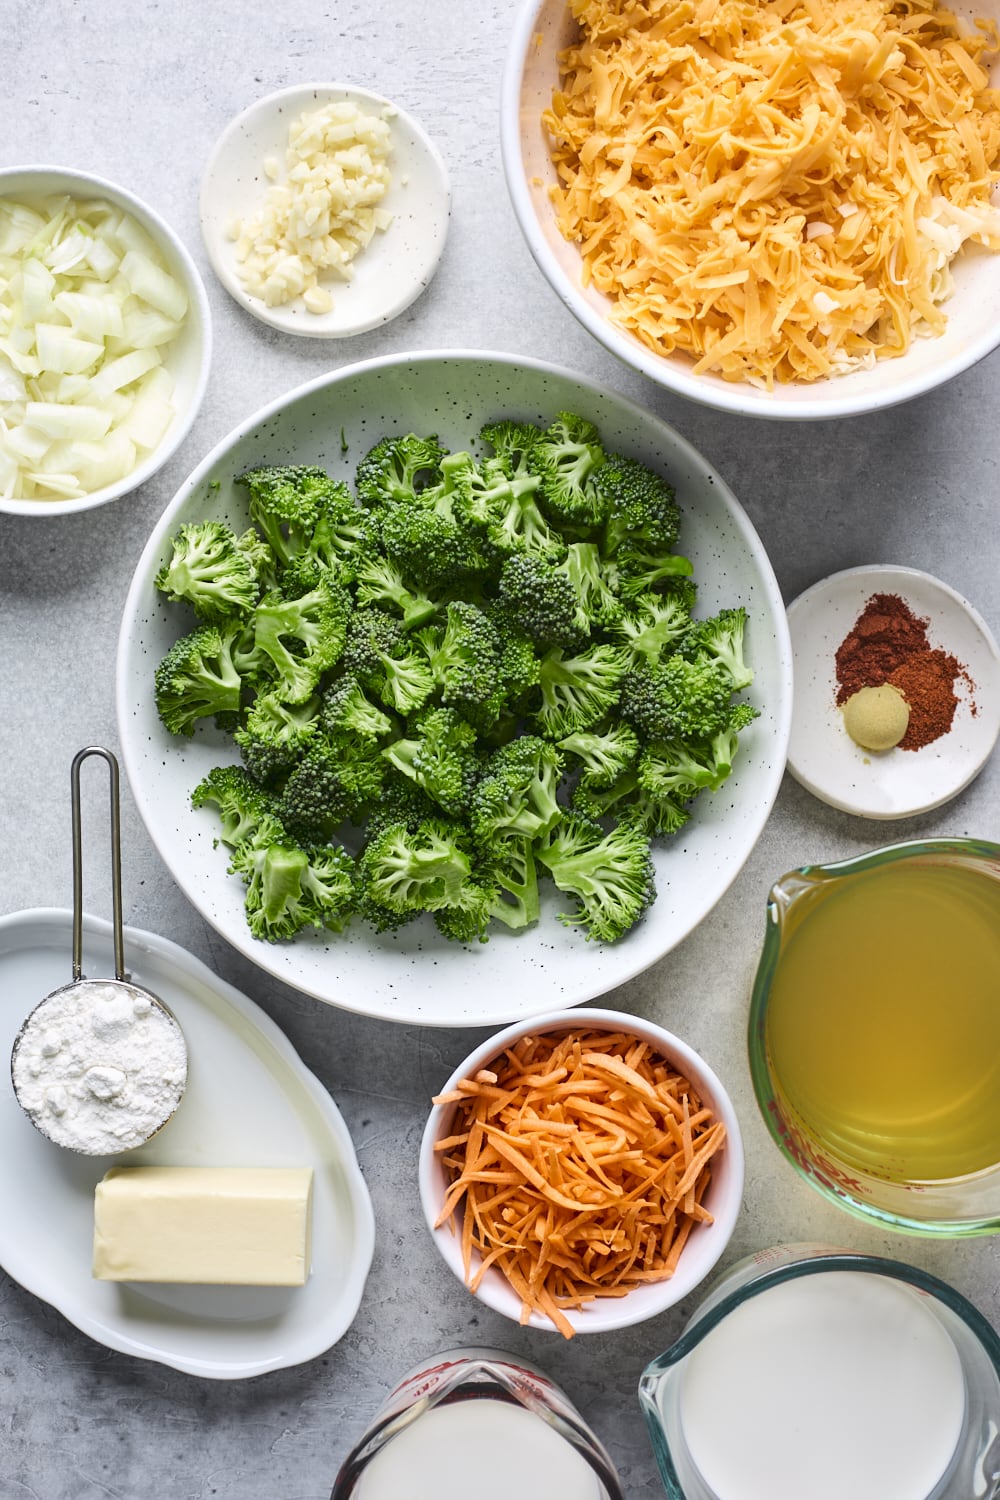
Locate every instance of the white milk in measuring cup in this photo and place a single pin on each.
(812, 1375)
(476, 1422)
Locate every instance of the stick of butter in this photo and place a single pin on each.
(236, 1226)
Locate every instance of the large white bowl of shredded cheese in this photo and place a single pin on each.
(105, 341)
(700, 185)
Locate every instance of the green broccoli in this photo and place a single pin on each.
(427, 538)
(379, 580)
(516, 792)
(441, 758)
(289, 887)
(243, 807)
(541, 599)
(211, 570)
(398, 468)
(676, 699)
(567, 458)
(285, 502)
(513, 877)
(467, 918)
(603, 753)
(198, 679)
(652, 625)
(641, 508)
(337, 779)
(655, 815)
(415, 869)
(578, 691)
(303, 637)
(610, 874)
(464, 656)
(720, 639)
(347, 709)
(274, 735)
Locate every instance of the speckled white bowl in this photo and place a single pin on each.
(541, 31)
(898, 783)
(414, 975)
(187, 359)
(706, 1242)
(390, 272)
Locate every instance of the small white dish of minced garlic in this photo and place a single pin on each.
(324, 210)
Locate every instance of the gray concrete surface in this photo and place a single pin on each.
(138, 90)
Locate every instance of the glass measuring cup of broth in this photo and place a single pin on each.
(809, 1371)
(874, 1033)
(477, 1422)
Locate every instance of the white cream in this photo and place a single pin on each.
(836, 1386)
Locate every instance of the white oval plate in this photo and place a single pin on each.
(390, 272)
(898, 783)
(250, 1101)
(414, 975)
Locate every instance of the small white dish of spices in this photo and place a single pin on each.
(890, 657)
(324, 210)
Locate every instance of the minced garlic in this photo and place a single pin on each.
(323, 214)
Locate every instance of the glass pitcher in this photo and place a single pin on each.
(957, 1459)
(477, 1422)
(888, 963)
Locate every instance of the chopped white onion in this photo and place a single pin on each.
(87, 312)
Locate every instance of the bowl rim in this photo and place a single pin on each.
(682, 451)
(612, 1313)
(195, 288)
(718, 395)
(272, 316)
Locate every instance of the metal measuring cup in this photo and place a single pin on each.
(99, 1065)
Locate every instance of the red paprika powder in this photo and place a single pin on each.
(888, 643)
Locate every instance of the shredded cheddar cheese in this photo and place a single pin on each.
(577, 1165)
(776, 189)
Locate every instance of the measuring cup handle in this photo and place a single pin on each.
(116, 860)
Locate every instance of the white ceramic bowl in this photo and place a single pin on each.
(390, 272)
(542, 30)
(414, 975)
(189, 356)
(706, 1242)
(898, 783)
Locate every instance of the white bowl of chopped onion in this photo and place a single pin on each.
(777, 213)
(589, 1152)
(105, 341)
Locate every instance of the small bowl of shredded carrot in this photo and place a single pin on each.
(582, 1171)
(784, 210)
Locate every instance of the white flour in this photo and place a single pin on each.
(99, 1068)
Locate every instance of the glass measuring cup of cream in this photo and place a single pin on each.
(874, 1033)
(814, 1372)
(477, 1422)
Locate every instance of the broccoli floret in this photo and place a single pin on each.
(337, 779)
(441, 758)
(275, 735)
(209, 569)
(289, 887)
(198, 678)
(642, 569)
(567, 457)
(724, 744)
(512, 443)
(464, 657)
(597, 602)
(407, 680)
(400, 801)
(371, 633)
(428, 540)
(467, 918)
(603, 754)
(721, 639)
(541, 598)
(578, 691)
(676, 699)
(668, 768)
(244, 808)
(514, 879)
(379, 581)
(348, 710)
(655, 815)
(653, 624)
(418, 869)
(503, 493)
(286, 502)
(303, 637)
(641, 508)
(398, 468)
(610, 874)
(516, 793)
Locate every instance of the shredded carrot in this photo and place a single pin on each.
(774, 187)
(588, 1180)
